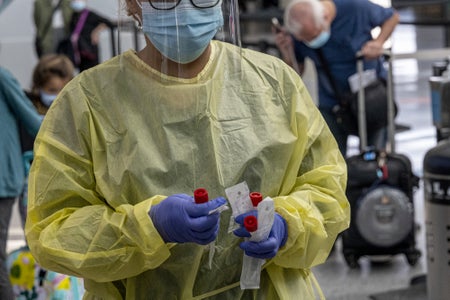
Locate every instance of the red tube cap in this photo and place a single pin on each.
(201, 195)
(251, 223)
(256, 198)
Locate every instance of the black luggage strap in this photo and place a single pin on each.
(383, 171)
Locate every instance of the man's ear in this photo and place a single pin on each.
(328, 14)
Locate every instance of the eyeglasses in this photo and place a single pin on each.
(171, 4)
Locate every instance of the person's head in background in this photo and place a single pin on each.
(308, 21)
(50, 75)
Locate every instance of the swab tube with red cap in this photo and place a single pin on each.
(251, 223)
(255, 197)
(201, 196)
(259, 228)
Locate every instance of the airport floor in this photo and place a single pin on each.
(338, 281)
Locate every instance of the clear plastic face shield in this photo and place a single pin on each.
(178, 33)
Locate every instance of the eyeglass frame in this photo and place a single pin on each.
(178, 2)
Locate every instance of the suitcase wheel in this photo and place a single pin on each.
(352, 260)
(413, 256)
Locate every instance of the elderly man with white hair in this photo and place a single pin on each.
(330, 33)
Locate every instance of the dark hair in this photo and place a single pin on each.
(51, 65)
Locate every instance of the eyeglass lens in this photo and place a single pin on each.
(170, 4)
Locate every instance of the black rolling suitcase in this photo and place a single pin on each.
(380, 191)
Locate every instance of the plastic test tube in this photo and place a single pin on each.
(251, 266)
(201, 196)
(256, 197)
(251, 223)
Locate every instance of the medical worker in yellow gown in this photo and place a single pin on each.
(126, 143)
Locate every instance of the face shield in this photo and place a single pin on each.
(177, 33)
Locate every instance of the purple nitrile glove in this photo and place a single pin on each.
(267, 248)
(179, 219)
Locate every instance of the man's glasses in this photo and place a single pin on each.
(171, 4)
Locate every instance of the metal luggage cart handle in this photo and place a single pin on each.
(362, 125)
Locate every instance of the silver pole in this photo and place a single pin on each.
(362, 125)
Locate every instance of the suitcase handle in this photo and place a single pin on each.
(387, 54)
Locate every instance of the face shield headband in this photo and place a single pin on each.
(182, 33)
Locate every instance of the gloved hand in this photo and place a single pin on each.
(267, 248)
(179, 219)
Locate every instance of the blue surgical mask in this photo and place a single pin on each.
(47, 99)
(319, 40)
(183, 33)
(4, 4)
(78, 5)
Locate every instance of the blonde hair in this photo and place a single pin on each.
(314, 6)
(49, 66)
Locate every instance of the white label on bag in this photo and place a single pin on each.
(239, 198)
(368, 77)
(266, 215)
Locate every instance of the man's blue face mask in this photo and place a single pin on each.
(183, 33)
(4, 4)
(319, 41)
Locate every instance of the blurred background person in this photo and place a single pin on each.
(81, 46)
(337, 30)
(15, 108)
(50, 75)
(52, 23)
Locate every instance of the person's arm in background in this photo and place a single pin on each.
(18, 102)
(38, 18)
(67, 12)
(37, 27)
(103, 23)
(36, 14)
(285, 44)
(374, 48)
